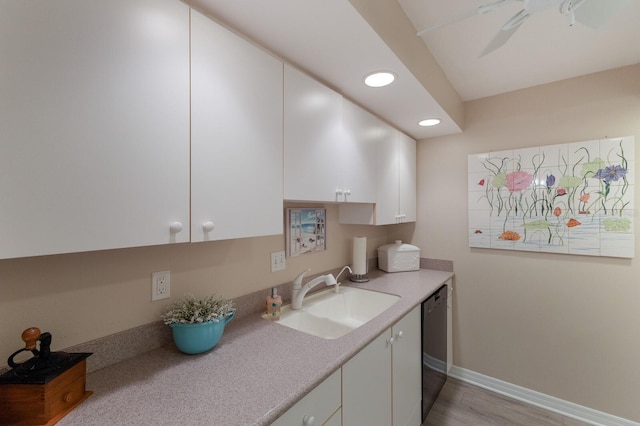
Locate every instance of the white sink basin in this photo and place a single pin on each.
(330, 315)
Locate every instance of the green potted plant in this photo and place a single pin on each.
(197, 324)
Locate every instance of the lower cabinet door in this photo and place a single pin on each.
(335, 420)
(407, 373)
(317, 408)
(366, 385)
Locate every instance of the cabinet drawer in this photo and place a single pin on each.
(320, 403)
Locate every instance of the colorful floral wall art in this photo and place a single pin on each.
(574, 198)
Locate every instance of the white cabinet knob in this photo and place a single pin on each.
(339, 191)
(175, 227)
(308, 420)
(207, 226)
(391, 340)
(347, 192)
(399, 334)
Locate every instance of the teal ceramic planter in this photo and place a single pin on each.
(199, 337)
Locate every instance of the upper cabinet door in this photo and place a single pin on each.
(396, 183)
(236, 136)
(388, 178)
(407, 178)
(94, 112)
(396, 201)
(362, 133)
(313, 139)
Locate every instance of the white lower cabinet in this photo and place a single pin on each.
(320, 407)
(381, 385)
(335, 420)
(406, 369)
(366, 386)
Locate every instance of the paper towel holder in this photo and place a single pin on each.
(360, 265)
(359, 278)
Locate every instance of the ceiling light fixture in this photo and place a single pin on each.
(429, 122)
(379, 79)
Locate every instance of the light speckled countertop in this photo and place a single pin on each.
(257, 371)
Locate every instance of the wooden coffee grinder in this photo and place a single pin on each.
(45, 387)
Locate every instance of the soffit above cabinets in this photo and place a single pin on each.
(332, 42)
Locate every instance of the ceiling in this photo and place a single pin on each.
(340, 41)
(544, 49)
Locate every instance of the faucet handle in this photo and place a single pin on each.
(297, 282)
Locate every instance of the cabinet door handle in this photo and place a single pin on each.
(308, 420)
(207, 226)
(175, 227)
(391, 340)
(339, 191)
(399, 334)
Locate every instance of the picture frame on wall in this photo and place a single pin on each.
(305, 231)
(573, 198)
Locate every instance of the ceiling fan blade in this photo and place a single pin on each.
(499, 39)
(480, 10)
(594, 13)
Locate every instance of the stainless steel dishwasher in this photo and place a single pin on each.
(434, 347)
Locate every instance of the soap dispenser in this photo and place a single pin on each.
(274, 304)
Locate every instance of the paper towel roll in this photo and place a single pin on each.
(359, 255)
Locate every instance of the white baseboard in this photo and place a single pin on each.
(434, 363)
(560, 406)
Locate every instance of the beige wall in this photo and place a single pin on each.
(567, 326)
(83, 296)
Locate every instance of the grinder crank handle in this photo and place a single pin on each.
(30, 337)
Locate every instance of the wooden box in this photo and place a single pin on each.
(47, 402)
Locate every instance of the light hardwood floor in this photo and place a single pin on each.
(462, 404)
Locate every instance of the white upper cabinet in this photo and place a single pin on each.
(407, 167)
(329, 144)
(313, 139)
(236, 136)
(396, 198)
(94, 119)
(395, 183)
(362, 132)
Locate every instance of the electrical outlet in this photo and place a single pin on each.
(160, 285)
(277, 261)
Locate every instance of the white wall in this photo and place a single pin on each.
(567, 326)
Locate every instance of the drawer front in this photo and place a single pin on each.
(320, 404)
(64, 398)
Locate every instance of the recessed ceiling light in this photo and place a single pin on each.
(379, 79)
(429, 122)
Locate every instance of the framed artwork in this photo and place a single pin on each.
(574, 198)
(306, 231)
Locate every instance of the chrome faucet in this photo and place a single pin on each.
(298, 292)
